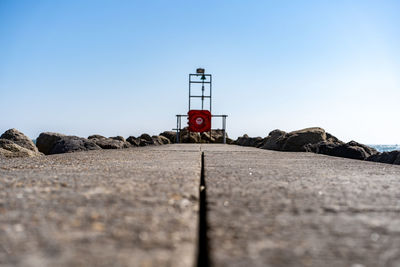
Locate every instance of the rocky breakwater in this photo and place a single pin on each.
(216, 136)
(56, 143)
(319, 141)
(13, 143)
(147, 140)
(116, 142)
(392, 157)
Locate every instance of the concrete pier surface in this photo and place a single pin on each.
(140, 207)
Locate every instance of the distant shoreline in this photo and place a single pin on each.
(386, 148)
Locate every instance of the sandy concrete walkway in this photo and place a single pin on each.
(269, 208)
(140, 207)
(133, 207)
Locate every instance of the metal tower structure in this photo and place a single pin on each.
(199, 120)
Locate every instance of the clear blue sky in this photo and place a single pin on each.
(120, 67)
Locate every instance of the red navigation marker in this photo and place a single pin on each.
(199, 120)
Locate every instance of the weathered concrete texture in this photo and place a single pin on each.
(133, 207)
(268, 208)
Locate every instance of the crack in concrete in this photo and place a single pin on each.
(203, 258)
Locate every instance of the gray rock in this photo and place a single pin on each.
(171, 135)
(109, 143)
(96, 136)
(55, 143)
(192, 137)
(145, 140)
(218, 136)
(133, 141)
(271, 142)
(392, 157)
(331, 138)
(245, 140)
(352, 150)
(207, 138)
(157, 140)
(189, 137)
(146, 137)
(297, 141)
(9, 149)
(164, 140)
(19, 138)
(119, 138)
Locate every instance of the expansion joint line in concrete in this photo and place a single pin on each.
(203, 259)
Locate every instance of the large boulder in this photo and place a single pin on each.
(218, 136)
(392, 157)
(352, 150)
(185, 136)
(189, 137)
(297, 141)
(133, 141)
(55, 143)
(119, 138)
(205, 137)
(145, 140)
(156, 141)
(110, 143)
(19, 138)
(96, 136)
(271, 142)
(171, 135)
(162, 140)
(245, 140)
(9, 149)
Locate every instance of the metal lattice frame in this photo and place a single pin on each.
(206, 82)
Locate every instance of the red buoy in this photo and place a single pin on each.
(199, 120)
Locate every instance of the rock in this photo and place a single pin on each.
(157, 140)
(352, 150)
(9, 149)
(220, 140)
(331, 138)
(96, 136)
(392, 157)
(164, 140)
(369, 150)
(145, 140)
(55, 143)
(271, 142)
(245, 140)
(19, 138)
(218, 136)
(171, 135)
(189, 137)
(297, 141)
(192, 137)
(119, 138)
(206, 138)
(146, 137)
(109, 143)
(133, 141)
(229, 141)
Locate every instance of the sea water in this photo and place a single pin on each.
(384, 148)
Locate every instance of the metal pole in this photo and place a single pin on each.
(210, 91)
(177, 128)
(180, 127)
(189, 89)
(224, 128)
(202, 92)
